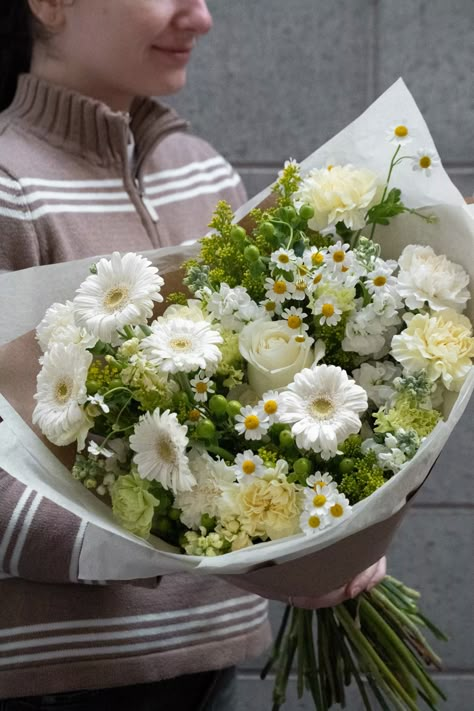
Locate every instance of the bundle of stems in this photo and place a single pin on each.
(374, 640)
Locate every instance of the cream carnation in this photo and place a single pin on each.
(426, 277)
(440, 344)
(340, 193)
(269, 508)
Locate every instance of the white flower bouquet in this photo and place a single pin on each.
(286, 404)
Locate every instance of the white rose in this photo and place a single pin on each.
(341, 193)
(273, 354)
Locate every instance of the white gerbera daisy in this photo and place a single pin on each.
(424, 161)
(278, 290)
(58, 325)
(312, 521)
(159, 443)
(284, 259)
(294, 319)
(180, 345)
(400, 133)
(248, 466)
(326, 309)
(121, 293)
(322, 404)
(202, 386)
(253, 422)
(61, 394)
(269, 404)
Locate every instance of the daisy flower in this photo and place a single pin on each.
(248, 466)
(399, 133)
(181, 345)
(314, 281)
(61, 393)
(318, 481)
(300, 289)
(322, 404)
(271, 307)
(340, 256)
(284, 259)
(159, 443)
(294, 319)
(321, 500)
(340, 508)
(269, 404)
(253, 422)
(278, 290)
(202, 386)
(98, 401)
(424, 161)
(327, 311)
(314, 257)
(380, 280)
(312, 521)
(120, 293)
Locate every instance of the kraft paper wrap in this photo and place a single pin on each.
(299, 565)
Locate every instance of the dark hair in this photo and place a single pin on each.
(16, 44)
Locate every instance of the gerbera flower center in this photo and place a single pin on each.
(165, 450)
(252, 422)
(201, 387)
(327, 310)
(336, 510)
(425, 162)
(248, 467)
(314, 521)
(380, 281)
(181, 344)
(294, 321)
(279, 287)
(319, 500)
(63, 390)
(322, 408)
(339, 255)
(270, 407)
(317, 258)
(116, 297)
(401, 131)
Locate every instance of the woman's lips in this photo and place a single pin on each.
(177, 54)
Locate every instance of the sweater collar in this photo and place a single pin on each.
(88, 127)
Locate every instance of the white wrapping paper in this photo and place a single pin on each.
(108, 551)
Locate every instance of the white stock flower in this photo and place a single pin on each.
(426, 277)
(159, 443)
(377, 379)
(364, 332)
(181, 345)
(441, 344)
(58, 326)
(61, 394)
(273, 354)
(340, 193)
(233, 307)
(121, 293)
(322, 405)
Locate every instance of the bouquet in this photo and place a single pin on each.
(278, 403)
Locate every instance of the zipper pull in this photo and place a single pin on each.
(150, 209)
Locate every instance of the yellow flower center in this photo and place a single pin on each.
(321, 408)
(330, 167)
(270, 306)
(251, 422)
(336, 510)
(380, 281)
(317, 258)
(248, 467)
(279, 287)
(283, 258)
(344, 269)
(339, 255)
(319, 500)
(63, 390)
(300, 285)
(425, 162)
(318, 483)
(270, 407)
(314, 521)
(201, 387)
(294, 321)
(317, 278)
(180, 344)
(115, 298)
(300, 339)
(401, 131)
(194, 415)
(327, 310)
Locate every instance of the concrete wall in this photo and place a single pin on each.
(276, 79)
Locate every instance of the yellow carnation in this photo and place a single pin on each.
(269, 508)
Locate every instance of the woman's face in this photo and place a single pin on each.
(114, 50)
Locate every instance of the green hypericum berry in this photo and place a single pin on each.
(267, 229)
(174, 514)
(306, 212)
(251, 253)
(163, 525)
(233, 408)
(205, 429)
(238, 233)
(218, 405)
(290, 214)
(346, 465)
(303, 466)
(286, 439)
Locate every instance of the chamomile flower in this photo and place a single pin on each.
(248, 466)
(314, 257)
(312, 521)
(300, 288)
(284, 259)
(120, 293)
(295, 319)
(269, 404)
(380, 280)
(98, 401)
(322, 405)
(181, 345)
(340, 257)
(159, 443)
(320, 500)
(424, 161)
(202, 386)
(327, 310)
(271, 307)
(318, 481)
(279, 290)
(399, 133)
(253, 422)
(315, 280)
(340, 508)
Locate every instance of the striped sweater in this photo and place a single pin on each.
(69, 188)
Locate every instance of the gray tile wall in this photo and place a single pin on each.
(276, 79)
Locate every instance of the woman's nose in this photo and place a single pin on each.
(195, 17)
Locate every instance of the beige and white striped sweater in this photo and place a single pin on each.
(68, 190)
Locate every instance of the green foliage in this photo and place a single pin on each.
(390, 206)
(364, 478)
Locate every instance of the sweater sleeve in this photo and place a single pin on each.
(19, 247)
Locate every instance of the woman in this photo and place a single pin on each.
(89, 164)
